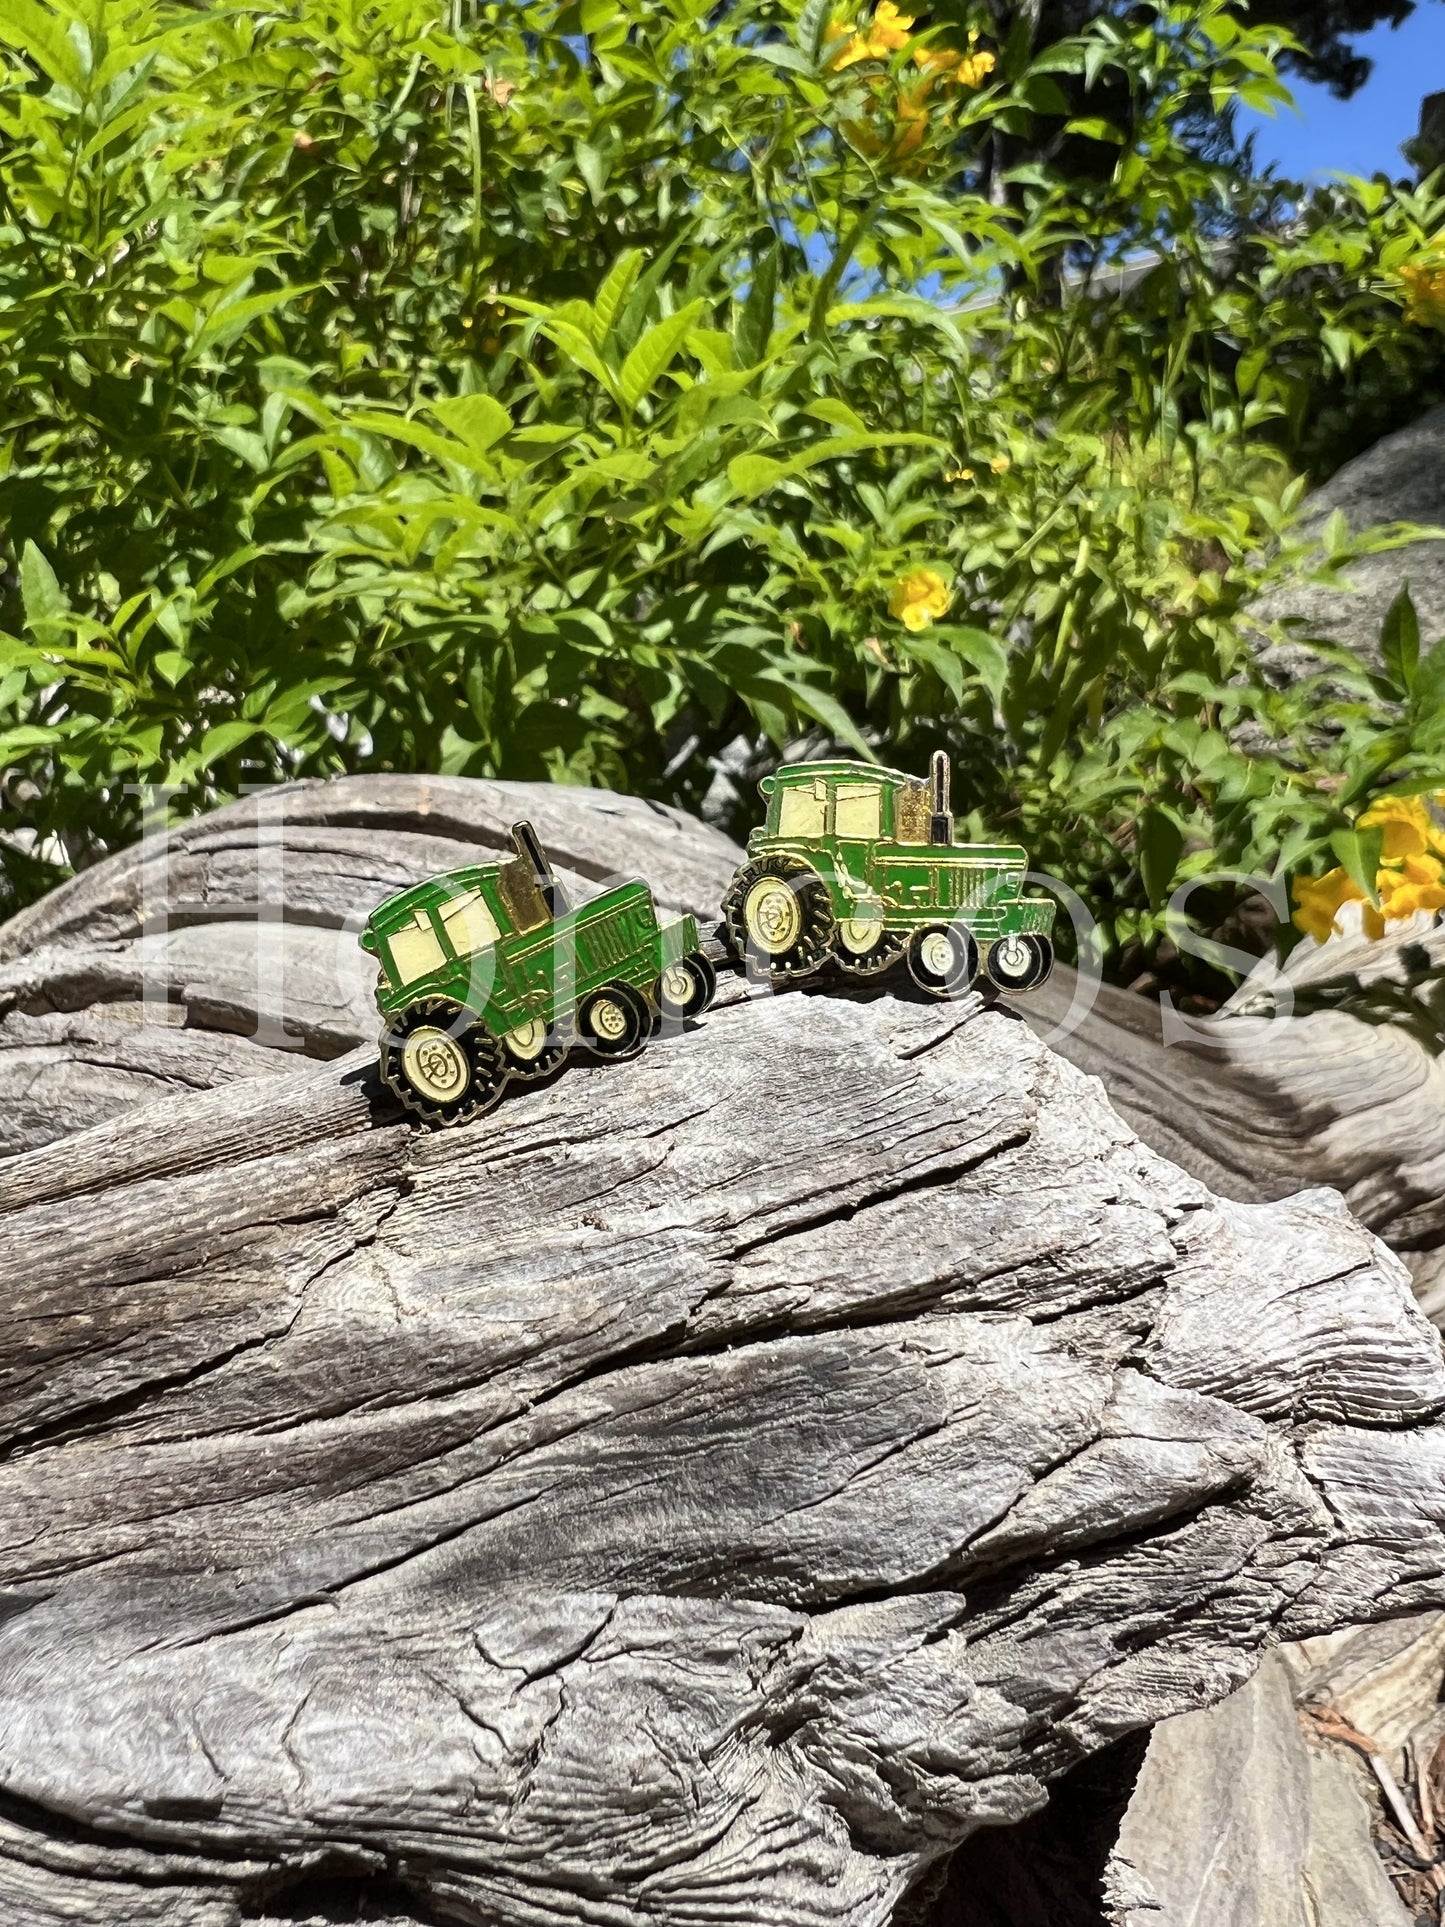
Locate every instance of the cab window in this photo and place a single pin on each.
(858, 810)
(521, 899)
(469, 923)
(802, 809)
(415, 949)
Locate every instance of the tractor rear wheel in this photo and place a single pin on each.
(942, 959)
(686, 988)
(614, 1021)
(779, 917)
(1019, 963)
(443, 1065)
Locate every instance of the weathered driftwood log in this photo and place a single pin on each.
(261, 902)
(1259, 1105)
(705, 1489)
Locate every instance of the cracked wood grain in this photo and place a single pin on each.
(703, 1490)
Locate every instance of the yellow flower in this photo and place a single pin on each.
(1410, 877)
(1424, 284)
(1318, 901)
(885, 34)
(969, 69)
(918, 598)
(1000, 464)
(1407, 823)
(890, 28)
(959, 475)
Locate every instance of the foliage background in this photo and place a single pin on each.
(574, 391)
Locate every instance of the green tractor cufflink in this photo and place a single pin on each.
(488, 974)
(857, 867)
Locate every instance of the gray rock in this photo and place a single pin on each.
(1238, 1822)
(1400, 479)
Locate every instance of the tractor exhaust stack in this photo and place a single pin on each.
(529, 848)
(940, 823)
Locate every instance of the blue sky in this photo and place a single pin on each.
(1363, 135)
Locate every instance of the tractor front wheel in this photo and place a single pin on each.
(614, 1021)
(686, 988)
(942, 959)
(444, 1066)
(779, 918)
(1019, 963)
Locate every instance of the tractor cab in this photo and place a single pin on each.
(436, 925)
(851, 801)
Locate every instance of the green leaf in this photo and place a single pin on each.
(612, 295)
(173, 664)
(941, 660)
(1359, 852)
(46, 607)
(778, 53)
(36, 32)
(653, 355)
(1161, 844)
(753, 475)
(1335, 535)
(828, 711)
(813, 26)
(754, 325)
(592, 166)
(984, 652)
(220, 740)
(1096, 130)
(478, 421)
(1429, 690)
(1400, 641)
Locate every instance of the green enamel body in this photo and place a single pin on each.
(484, 939)
(865, 831)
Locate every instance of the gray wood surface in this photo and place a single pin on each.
(706, 1489)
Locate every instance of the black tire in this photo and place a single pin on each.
(462, 1045)
(942, 959)
(676, 1005)
(614, 1021)
(801, 936)
(870, 963)
(1019, 963)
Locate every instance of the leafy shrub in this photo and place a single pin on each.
(533, 390)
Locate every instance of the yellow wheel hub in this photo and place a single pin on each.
(936, 953)
(771, 916)
(675, 986)
(860, 934)
(608, 1020)
(527, 1041)
(435, 1065)
(1012, 956)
